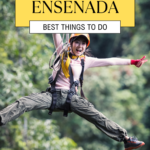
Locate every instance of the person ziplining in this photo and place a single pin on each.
(71, 61)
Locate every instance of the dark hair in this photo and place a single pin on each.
(88, 52)
(75, 38)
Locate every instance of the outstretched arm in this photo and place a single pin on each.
(58, 42)
(95, 62)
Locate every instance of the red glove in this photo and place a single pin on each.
(139, 62)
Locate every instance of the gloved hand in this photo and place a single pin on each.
(139, 62)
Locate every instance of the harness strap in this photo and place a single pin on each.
(81, 78)
(54, 95)
(71, 76)
(70, 94)
(58, 58)
(54, 100)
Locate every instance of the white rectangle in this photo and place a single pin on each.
(74, 26)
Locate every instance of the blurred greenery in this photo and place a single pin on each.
(120, 92)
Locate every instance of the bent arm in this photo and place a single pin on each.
(96, 62)
(58, 42)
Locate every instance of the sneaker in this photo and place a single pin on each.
(133, 143)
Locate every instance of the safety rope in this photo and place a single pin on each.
(65, 48)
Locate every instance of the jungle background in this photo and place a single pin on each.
(122, 93)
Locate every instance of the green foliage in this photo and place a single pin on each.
(24, 70)
(39, 135)
(119, 92)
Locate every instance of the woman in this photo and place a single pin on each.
(63, 92)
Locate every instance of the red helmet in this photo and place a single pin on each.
(77, 35)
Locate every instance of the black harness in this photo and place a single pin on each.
(71, 92)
